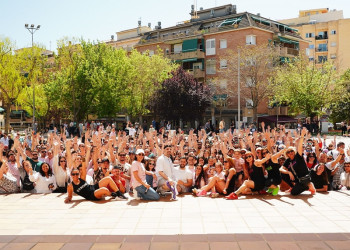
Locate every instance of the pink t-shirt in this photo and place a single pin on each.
(137, 166)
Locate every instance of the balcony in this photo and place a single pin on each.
(288, 52)
(320, 37)
(186, 55)
(197, 73)
(322, 50)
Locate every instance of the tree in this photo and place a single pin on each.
(306, 88)
(18, 69)
(146, 76)
(340, 109)
(181, 97)
(256, 68)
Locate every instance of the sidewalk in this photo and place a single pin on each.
(46, 222)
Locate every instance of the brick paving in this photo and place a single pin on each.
(38, 221)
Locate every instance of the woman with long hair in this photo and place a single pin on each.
(311, 160)
(151, 177)
(44, 180)
(256, 180)
(199, 179)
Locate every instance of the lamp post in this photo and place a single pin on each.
(32, 29)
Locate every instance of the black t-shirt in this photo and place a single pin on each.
(319, 180)
(273, 170)
(85, 190)
(299, 165)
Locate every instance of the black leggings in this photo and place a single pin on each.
(297, 187)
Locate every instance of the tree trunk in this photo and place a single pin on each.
(255, 114)
(7, 119)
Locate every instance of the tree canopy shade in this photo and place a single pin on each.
(304, 87)
(181, 97)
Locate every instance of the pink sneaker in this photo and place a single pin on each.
(202, 193)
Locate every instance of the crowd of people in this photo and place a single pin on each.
(150, 164)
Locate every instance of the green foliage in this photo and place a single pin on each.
(340, 109)
(304, 87)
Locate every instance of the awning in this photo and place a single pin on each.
(273, 119)
(189, 45)
(286, 40)
(220, 97)
(264, 21)
(189, 60)
(230, 21)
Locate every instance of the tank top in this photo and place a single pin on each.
(83, 189)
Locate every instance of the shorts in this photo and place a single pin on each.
(238, 174)
(183, 188)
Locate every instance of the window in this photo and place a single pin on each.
(223, 44)
(250, 39)
(322, 59)
(177, 48)
(311, 46)
(223, 64)
(333, 44)
(210, 47)
(307, 51)
(309, 35)
(223, 84)
(322, 47)
(333, 32)
(211, 67)
(151, 52)
(197, 65)
(249, 103)
(311, 59)
(333, 56)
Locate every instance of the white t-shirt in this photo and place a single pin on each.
(42, 183)
(182, 174)
(166, 165)
(138, 166)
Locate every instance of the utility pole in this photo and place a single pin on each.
(239, 91)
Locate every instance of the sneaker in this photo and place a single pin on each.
(173, 191)
(275, 191)
(202, 193)
(262, 192)
(121, 197)
(270, 190)
(161, 192)
(214, 195)
(195, 190)
(288, 191)
(232, 196)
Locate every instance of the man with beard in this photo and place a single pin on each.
(183, 177)
(36, 164)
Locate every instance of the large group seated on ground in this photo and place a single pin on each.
(150, 164)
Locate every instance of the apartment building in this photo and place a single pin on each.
(199, 43)
(328, 34)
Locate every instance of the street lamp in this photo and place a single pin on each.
(32, 30)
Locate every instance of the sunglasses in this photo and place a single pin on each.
(151, 164)
(75, 174)
(63, 161)
(248, 156)
(225, 161)
(122, 155)
(141, 154)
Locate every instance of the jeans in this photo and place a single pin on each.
(149, 195)
(149, 180)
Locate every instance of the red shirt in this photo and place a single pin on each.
(122, 181)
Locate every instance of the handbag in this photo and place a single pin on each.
(26, 183)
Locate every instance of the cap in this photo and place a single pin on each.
(140, 151)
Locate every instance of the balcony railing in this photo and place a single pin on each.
(320, 37)
(322, 50)
(284, 51)
(185, 55)
(197, 73)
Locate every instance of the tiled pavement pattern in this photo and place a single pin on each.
(29, 221)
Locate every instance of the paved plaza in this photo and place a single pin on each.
(39, 221)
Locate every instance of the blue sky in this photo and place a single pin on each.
(99, 19)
